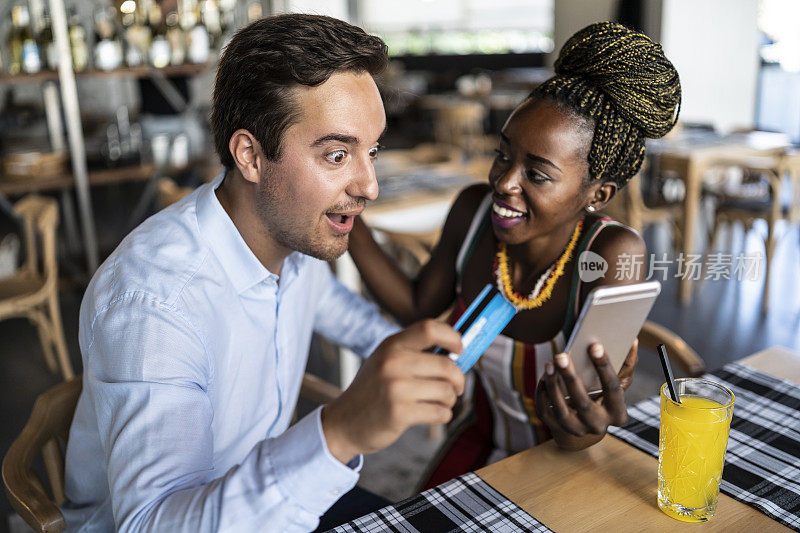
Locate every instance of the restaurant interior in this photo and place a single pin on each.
(90, 150)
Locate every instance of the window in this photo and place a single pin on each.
(418, 27)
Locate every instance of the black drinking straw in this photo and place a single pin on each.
(662, 352)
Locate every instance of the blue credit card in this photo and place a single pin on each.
(481, 323)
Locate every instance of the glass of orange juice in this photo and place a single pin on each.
(691, 448)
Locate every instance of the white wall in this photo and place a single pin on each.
(332, 8)
(651, 23)
(714, 46)
(779, 102)
(573, 15)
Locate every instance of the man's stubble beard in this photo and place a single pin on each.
(277, 221)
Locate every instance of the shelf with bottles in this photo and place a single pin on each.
(132, 38)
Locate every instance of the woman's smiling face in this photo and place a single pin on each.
(538, 177)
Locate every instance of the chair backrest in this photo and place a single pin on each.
(633, 191)
(45, 433)
(628, 205)
(460, 124)
(170, 192)
(419, 245)
(39, 219)
(768, 168)
(790, 164)
(422, 156)
(652, 334)
(672, 163)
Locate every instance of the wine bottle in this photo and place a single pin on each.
(226, 15)
(138, 35)
(209, 12)
(77, 42)
(108, 47)
(46, 43)
(14, 42)
(160, 53)
(24, 50)
(176, 39)
(199, 40)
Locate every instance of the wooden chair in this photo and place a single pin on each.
(318, 390)
(760, 200)
(421, 156)
(652, 334)
(411, 250)
(33, 292)
(790, 165)
(629, 207)
(170, 192)
(458, 122)
(46, 433)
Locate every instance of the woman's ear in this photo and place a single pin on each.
(602, 195)
(247, 154)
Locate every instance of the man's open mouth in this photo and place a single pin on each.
(342, 221)
(338, 218)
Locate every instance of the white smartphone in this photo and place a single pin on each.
(612, 316)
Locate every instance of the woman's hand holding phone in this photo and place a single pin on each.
(581, 420)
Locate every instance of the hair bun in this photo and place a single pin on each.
(630, 69)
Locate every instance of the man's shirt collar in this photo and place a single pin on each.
(239, 262)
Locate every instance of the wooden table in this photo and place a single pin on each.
(691, 160)
(612, 486)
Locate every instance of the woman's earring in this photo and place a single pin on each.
(590, 208)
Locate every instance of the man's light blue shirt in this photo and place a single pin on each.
(193, 356)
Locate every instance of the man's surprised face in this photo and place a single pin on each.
(308, 198)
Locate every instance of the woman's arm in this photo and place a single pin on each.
(433, 290)
(623, 249)
(584, 422)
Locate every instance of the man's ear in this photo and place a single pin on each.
(247, 154)
(603, 194)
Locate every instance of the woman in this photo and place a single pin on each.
(563, 154)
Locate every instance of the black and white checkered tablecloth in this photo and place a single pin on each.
(762, 465)
(466, 503)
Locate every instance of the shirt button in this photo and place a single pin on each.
(336, 493)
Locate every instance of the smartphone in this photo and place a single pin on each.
(484, 319)
(612, 316)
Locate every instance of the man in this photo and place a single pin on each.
(194, 333)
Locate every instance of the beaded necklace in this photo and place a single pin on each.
(544, 285)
